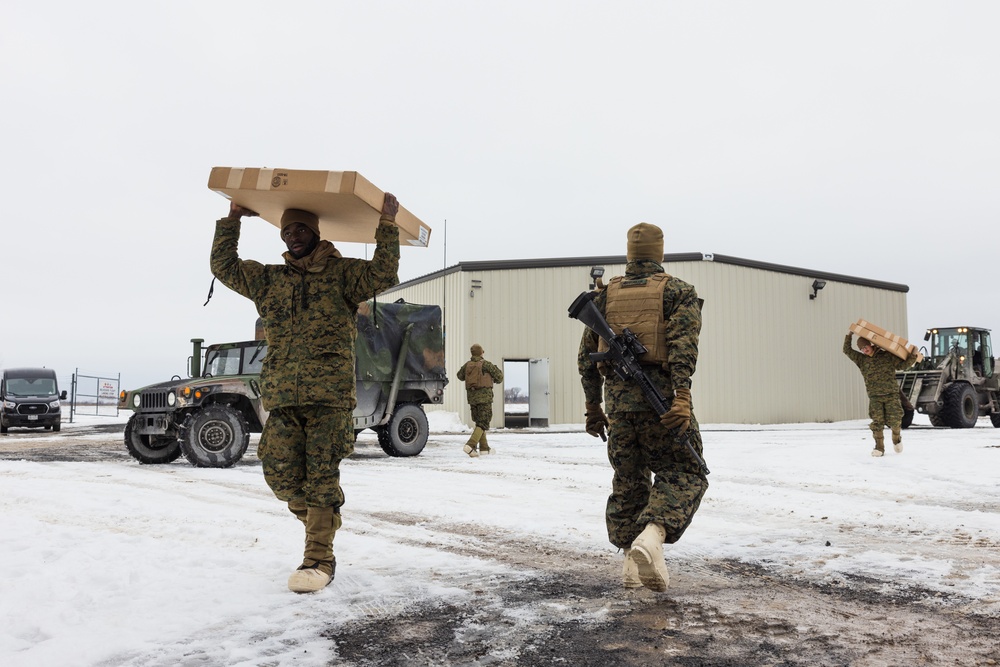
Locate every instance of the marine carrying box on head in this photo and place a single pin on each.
(886, 340)
(347, 204)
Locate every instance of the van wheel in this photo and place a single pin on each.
(150, 448)
(406, 433)
(214, 437)
(57, 427)
(3, 428)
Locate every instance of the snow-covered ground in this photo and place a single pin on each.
(111, 562)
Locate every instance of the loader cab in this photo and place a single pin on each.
(970, 346)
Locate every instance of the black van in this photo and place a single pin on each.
(29, 397)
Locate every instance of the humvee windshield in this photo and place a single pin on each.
(241, 359)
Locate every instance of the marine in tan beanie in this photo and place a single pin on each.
(645, 241)
(299, 231)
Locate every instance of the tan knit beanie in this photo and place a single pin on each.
(645, 241)
(477, 350)
(293, 215)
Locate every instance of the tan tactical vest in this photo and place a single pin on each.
(637, 304)
(475, 378)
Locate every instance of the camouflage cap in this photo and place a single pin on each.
(645, 241)
(293, 215)
(477, 350)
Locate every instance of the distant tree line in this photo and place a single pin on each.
(514, 395)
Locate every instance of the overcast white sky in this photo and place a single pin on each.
(851, 137)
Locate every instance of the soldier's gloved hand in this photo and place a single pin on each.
(597, 421)
(679, 414)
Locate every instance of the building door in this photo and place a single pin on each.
(538, 392)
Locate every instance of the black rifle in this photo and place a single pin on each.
(623, 354)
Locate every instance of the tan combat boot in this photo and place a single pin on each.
(484, 447)
(630, 572)
(879, 443)
(470, 446)
(647, 553)
(318, 563)
(897, 441)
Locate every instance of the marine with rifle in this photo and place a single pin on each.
(649, 349)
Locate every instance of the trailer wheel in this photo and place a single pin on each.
(961, 410)
(216, 436)
(406, 433)
(907, 418)
(150, 448)
(995, 418)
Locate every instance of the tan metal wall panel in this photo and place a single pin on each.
(768, 353)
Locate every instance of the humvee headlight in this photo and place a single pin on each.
(136, 401)
(171, 398)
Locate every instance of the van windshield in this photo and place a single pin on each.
(31, 387)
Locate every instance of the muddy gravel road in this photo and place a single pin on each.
(558, 602)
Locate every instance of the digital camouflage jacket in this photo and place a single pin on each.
(682, 320)
(878, 370)
(310, 317)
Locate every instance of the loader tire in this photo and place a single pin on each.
(961, 408)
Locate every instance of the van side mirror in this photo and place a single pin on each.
(63, 395)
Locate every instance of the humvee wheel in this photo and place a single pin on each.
(150, 448)
(936, 420)
(216, 436)
(406, 432)
(960, 407)
(995, 418)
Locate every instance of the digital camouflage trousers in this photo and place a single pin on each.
(655, 478)
(482, 415)
(301, 449)
(885, 411)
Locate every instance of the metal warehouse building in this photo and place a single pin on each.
(771, 336)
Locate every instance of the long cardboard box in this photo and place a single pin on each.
(886, 340)
(348, 205)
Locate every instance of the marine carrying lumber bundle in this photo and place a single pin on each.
(347, 204)
(886, 340)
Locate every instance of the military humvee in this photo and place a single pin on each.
(209, 416)
(956, 382)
